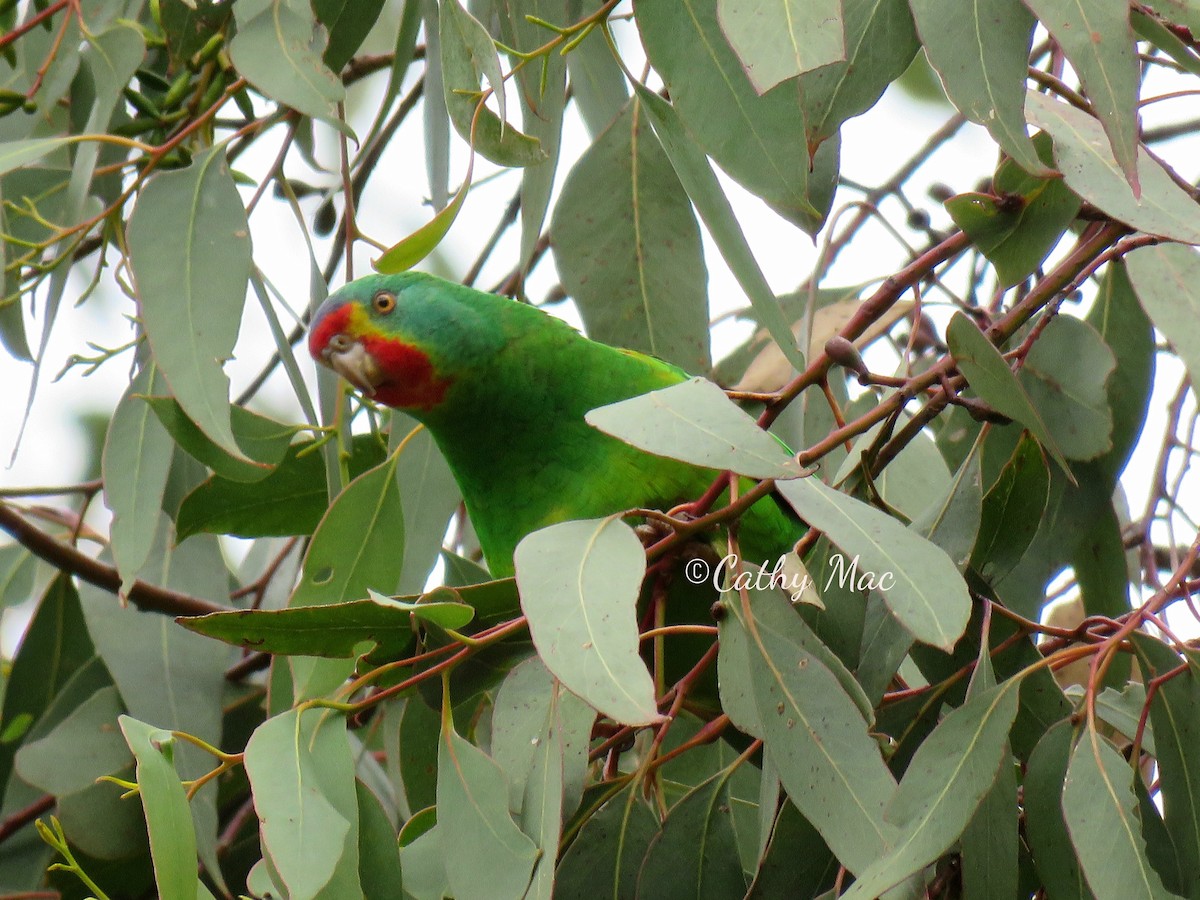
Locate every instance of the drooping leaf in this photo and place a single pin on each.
(273, 51)
(1164, 278)
(919, 582)
(715, 211)
(290, 500)
(264, 441)
(579, 585)
(191, 289)
(1065, 375)
(627, 247)
(1086, 161)
(348, 23)
(467, 53)
(1012, 511)
(409, 251)
(1045, 828)
(606, 855)
(780, 40)
(811, 725)
(1096, 38)
(991, 378)
(81, 748)
(759, 140)
(473, 812)
(950, 774)
(695, 422)
(695, 855)
(135, 465)
(168, 821)
(1101, 815)
(301, 772)
(980, 48)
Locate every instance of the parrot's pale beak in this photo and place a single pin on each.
(350, 359)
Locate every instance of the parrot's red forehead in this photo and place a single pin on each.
(336, 321)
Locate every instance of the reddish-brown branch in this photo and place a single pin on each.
(22, 817)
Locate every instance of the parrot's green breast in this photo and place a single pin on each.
(513, 387)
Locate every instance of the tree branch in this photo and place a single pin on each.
(65, 558)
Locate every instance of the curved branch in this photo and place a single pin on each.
(65, 558)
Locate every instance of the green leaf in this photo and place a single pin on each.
(1065, 374)
(980, 49)
(950, 774)
(405, 254)
(273, 50)
(1175, 717)
(467, 52)
(780, 40)
(15, 154)
(607, 853)
(597, 83)
(1045, 828)
(1183, 12)
(953, 522)
(290, 500)
(695, 855)
(302, 774)
(358, 546)
(919, 582)
(348, 23)
(54, 647)
(579, 584)
(695, 422)
(1101, 815)
(759, 140)
(990, 841)
(713, 206)
(168, 820)
(378, 854)
(429, 495)
(1096, 38)
(880, 44)
(1085, 159)
(627, 247)
(336, 630)
(795, 863)
(191, 289)
(135, 465)
(1018, 229)
(818, 740)
(531, 709)
(1165, 279)
(78, 750)
(472, 797)
(263, 441)
(992, 379)
(1012, 512)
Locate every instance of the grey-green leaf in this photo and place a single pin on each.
(273, 50)
(579, 584)
(1096, 38)
(1086, 161)
(980, 48)
(473, 813)
(168, 821)
(948, 777)
(189, 247)
(1101, 814)
(783, 38)
(1167, 281)
(992, 379)
(695, 422)
(627, 247)
(919, 582)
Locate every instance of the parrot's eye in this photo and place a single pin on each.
(383, 302)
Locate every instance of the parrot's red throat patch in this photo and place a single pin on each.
(411, 382)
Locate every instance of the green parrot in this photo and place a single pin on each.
(503, 388)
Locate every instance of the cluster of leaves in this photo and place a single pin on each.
(499, 739)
